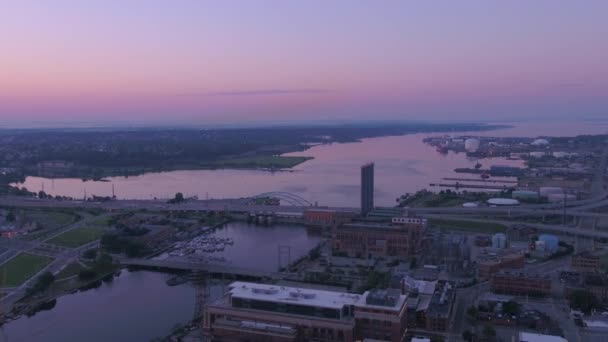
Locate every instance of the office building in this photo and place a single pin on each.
(400, 238)
(260, 313)
(367, 188)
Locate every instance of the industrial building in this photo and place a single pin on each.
(491, 263)
(327, 217)
(400, 238)
(261, 312)
(367, 188)
(585, 262)
(519, 283)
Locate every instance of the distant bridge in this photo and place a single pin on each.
(199, 266)
(287, 197)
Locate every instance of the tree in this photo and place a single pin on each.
(90, 254)
(583, 300)
(467, 335)
(489, 331)
(472, 311)
(11, 217)
(42, 283)
(42, 194)
(179, 197)
(511, 308)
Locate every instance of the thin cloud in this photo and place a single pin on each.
(259, 92)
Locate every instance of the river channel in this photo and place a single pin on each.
(139, 306)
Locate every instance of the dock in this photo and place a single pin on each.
(471, 186)
(480, 180)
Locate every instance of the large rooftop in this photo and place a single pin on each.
(292, 295)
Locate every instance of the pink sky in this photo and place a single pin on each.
(229, 61)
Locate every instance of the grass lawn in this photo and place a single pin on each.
(70, 270)
(280, 162)
(21, 268)
(469, 226)
(78, 237)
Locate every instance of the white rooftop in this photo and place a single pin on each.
(423, 287)
(531, 337)
(421, 339)
(293, 295)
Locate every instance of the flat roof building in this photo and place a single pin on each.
(262, 312)
(400, 238)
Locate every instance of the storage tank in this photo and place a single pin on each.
(471, 145)
(554, 198)
(539, 246)
(540, 142)
(548, 190)
(551, 242)
(499, 240)
(537, 154)
(560, 154)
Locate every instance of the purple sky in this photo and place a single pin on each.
(158, 61)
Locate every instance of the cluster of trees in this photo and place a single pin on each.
(179, 198)
(101, 265)
(123, 244)
(584, 301)
(42, 283)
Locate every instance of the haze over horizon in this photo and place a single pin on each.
(230, 62)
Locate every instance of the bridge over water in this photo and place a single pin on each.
(199, 266)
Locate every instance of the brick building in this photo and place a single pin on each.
(585, 262)
(491, 263)
(328, 217)
(400, 238)
(513, 282)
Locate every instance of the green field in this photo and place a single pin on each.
(468, 226)
(78, 237)
(277, 162)
(21, 268)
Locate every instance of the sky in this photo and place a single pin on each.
(201, 62)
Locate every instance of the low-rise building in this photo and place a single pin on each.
(585, 262)
(260, 312)
(440, 308)
(327, 217)
(400, 238)
(595, 283)
(519, 283)
(491, 263)
(532, 337)
(382, 315)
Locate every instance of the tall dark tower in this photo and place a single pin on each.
(367, 188)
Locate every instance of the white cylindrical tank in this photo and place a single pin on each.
(471, 145)
(537, 154)
(560, 154)
(499, 240)
(549, 190)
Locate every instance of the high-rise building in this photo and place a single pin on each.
(367, 188)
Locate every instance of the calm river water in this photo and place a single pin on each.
(139, 306)
(403, 164)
